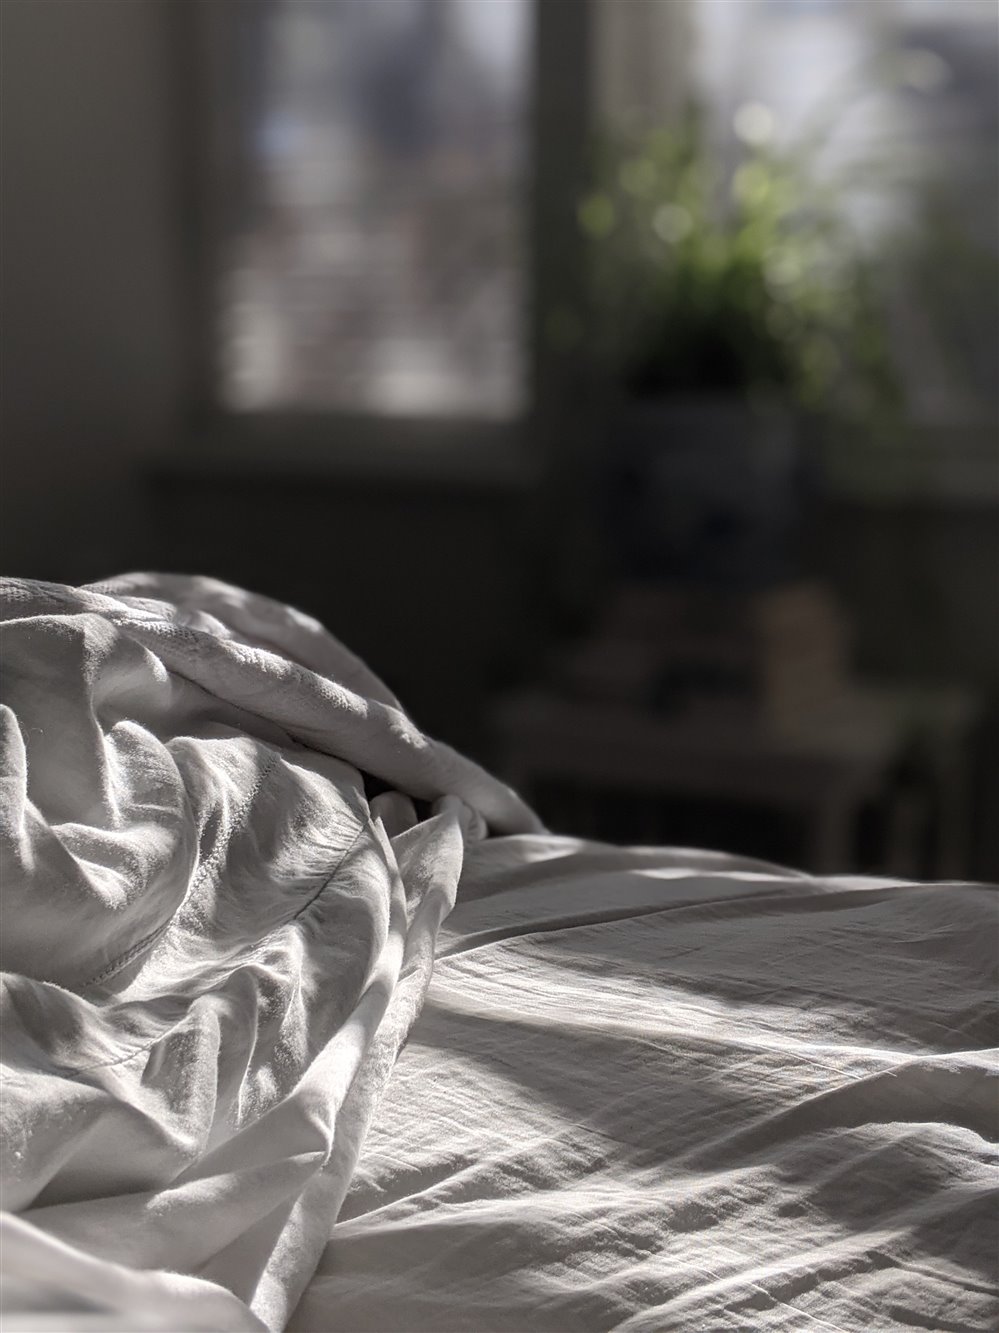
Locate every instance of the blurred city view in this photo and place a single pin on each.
(380, 263)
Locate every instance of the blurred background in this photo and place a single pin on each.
(617, 376)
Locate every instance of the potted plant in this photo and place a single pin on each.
(729, 308)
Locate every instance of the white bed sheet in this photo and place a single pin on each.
(648, 1088)
(658, 1090)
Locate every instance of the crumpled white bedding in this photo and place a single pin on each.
(213, 943)
(648, 1088)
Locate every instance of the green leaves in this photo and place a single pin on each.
(740, 282)
(597, 215)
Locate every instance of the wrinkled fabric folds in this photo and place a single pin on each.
(279, 1051)
(213, 944)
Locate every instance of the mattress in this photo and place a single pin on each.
(309, 1023)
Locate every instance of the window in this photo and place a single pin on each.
(904, 97)
(395, 185)
(371, 160)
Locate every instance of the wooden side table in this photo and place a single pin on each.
(823, 770)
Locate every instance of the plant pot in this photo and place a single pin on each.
(705, 489)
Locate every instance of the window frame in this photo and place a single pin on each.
(509, 452)
(551, 448)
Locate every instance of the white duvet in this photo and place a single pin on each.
(647, 1089)
(214, 944)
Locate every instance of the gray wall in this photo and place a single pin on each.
(92, 336)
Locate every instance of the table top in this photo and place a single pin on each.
(848, 744)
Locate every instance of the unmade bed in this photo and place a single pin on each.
(308, 1023)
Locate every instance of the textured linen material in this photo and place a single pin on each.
(213, 947)
(664, 1089)
(648, 1089)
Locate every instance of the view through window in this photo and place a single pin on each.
(378, 259)
(901, 98)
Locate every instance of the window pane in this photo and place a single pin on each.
(902, 97)
(377, 259)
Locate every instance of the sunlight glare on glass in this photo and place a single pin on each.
(754, 123)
